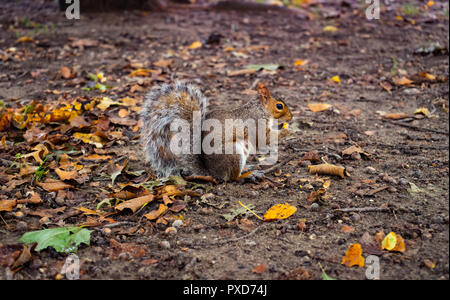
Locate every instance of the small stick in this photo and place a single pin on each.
(416, 128)
(276, 166)
(362, 209)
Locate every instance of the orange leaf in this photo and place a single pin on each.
(65, 72)
(135, 203)
(353, 256)
(396, 116)
(402, 81)
(279, 211)
(347, 229)
(259, 269)
(318, 107)
(7, 205)
(66, 175)
(156, 213)
(53, 185)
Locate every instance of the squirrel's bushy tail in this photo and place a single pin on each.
(162, 106)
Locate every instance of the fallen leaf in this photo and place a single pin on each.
(300, 62)
(335, 79)
(318, 107)
(136, 203)
(393, 242)
(53, 185)
(402, 81)
(166, 62)
(423, 110)
(90, 138)
(279, 211)
(347, 229)
(396, 116)
(66, 175)
(156, 213)
(195, 45)
(7, 205)
(25, 39)
(329, 28)
(259, 269)
(353, 256)
(65, 72)
(328, 169)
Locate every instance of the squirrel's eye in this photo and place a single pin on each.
(279, 106)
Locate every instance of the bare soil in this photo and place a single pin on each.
(365, 54)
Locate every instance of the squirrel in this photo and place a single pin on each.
(167, 103)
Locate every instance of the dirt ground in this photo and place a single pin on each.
(400, 170)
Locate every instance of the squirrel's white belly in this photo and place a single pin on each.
(242, 149)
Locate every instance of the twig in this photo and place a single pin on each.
(416, 128)
(363, 209)
(276, 166)
(9, 55)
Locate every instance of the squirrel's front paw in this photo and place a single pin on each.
(254, 176)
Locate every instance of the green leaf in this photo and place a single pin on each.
(324, 275)
(268, 67)
(63, 239)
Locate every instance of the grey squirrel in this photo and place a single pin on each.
(166, 104)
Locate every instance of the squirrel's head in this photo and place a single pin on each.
(277, 108)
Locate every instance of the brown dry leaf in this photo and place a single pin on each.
(427, 76)
(89, 138)
(353, 256)
(163, 63)
(396, 116)
(97, 157)
(318, 107)
(328, 169)
(53, 185)
(402, 81)
(316, 196)
(123, 113)
(156, 213)
(79, 122)
(136, 203)
(177, 206)
(7, 205)
(65, 72)
(34, 135)
(312, 156)
(259, 269)
(387, 86)
(279, 211)
(66, 175)
(240, 72)
(347, 229)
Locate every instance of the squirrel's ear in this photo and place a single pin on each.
(264, 94)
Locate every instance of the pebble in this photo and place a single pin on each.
(355, 217)
(312, 236)
(370, 170)
(22, 226)
(314, 207)
(171, 230)
(164, 244)
(177, 223)
(389, 179)
(403, 181)
(438, 220)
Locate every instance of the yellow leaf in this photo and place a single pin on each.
(423, 110)
(330, 28)
(317, 107)
(89, 138)
(279, 211)
(402, 81)
(25, 39)
(353, 256)
(336, 79)
(195, 45)
(393, 242)
(300, 62)
(399, 18)
(430, 3)
(106, 102)
(157, 212)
